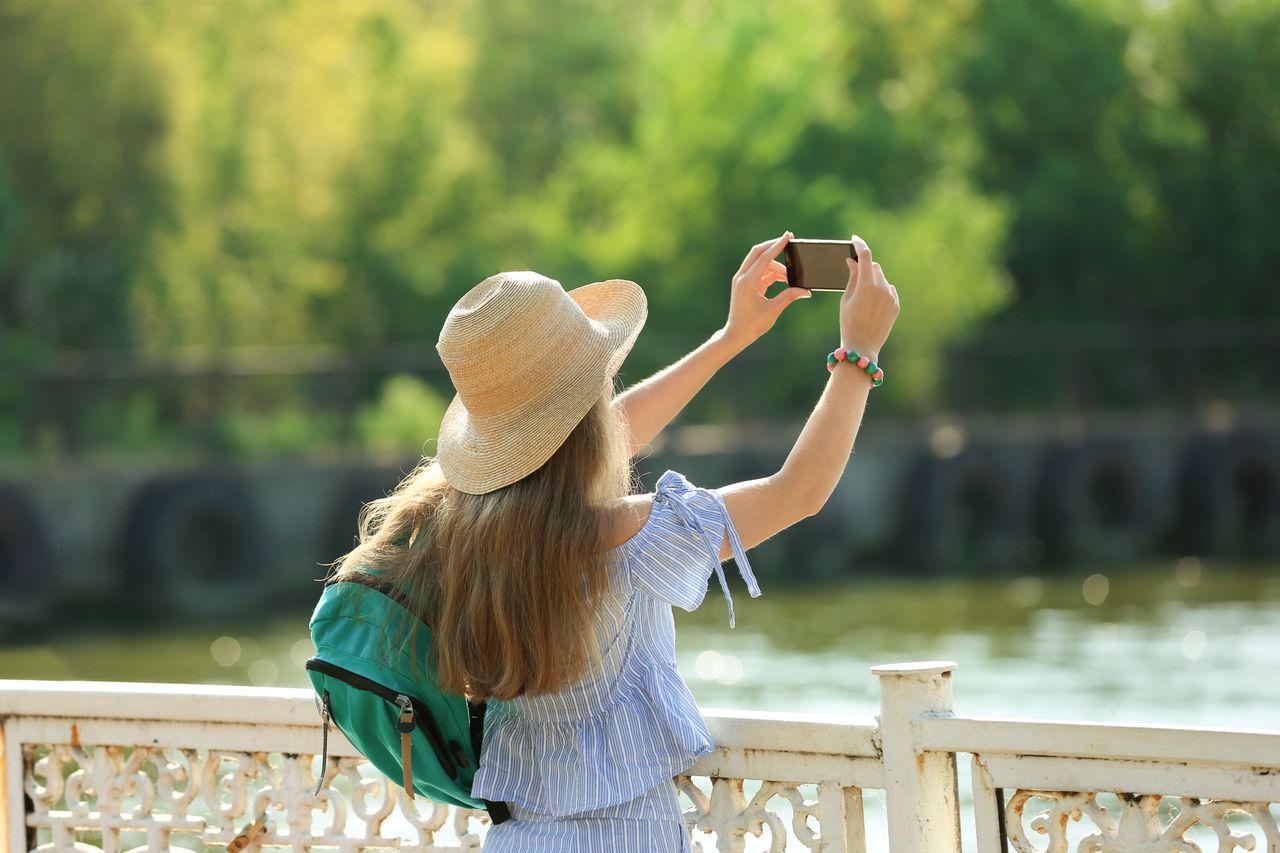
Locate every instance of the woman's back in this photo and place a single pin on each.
(631, 723)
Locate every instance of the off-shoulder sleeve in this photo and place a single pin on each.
(675, 552)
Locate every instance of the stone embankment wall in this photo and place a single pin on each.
(999, 495)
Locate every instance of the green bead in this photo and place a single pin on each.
(876, 383)
(852, 356)
(831, 358)
(870, 368)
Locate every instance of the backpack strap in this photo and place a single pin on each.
(476, 710)
(498, 811)
(405, 727)
(324, 743)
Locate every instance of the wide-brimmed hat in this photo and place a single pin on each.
(528, 360)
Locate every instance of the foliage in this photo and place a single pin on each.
(1137, 146)
(82, 187)
(407, 409)
(282, 431)
(295, 173)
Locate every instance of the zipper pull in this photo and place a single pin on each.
(406, 726)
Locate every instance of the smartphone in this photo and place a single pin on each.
(818, 264)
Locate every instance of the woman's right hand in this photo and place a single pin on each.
(868, 306)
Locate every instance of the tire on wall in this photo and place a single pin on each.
(195, 545)
(961, 512)
(1094, 503)
(26, 575)
(1229, 501)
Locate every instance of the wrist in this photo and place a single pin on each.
(869, 352)
(728, 341)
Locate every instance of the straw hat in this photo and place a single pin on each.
(528, 360)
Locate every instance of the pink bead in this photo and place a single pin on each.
(863, 361)
(879, 374)
(831, 368)
(842, 354)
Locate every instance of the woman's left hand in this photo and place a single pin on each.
(751, 313)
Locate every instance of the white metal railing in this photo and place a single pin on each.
(116, 766)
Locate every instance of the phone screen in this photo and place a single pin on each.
(818, 264)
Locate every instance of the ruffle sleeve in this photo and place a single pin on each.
(673, 555)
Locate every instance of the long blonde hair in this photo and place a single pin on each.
(509, 581)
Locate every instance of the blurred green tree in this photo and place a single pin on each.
(82, 185)
(293, 173)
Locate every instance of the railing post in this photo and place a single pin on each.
(920, 787)
(13, 818)
(5, 840)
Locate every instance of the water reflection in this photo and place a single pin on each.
(1184, 642)
(1180, 643)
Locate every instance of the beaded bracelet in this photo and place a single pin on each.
(861, 361)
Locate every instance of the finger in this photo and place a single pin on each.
(866, 268)
(875, 266)
(752, 255)
(853, 276)
(775, 273)
(767, 254)
(760, 249)
(864, 252)
(787, 295)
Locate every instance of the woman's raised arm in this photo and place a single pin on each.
(652, 404)
(762, 507)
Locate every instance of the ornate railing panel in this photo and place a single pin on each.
(189, 767)
(100, 793)
(114, 767)
(813, 773)
(1053, 787)
(1135, 823)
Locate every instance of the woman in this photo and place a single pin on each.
(549, 583)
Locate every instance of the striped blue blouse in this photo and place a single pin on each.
(604, 747)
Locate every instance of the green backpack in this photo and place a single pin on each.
(401, 721)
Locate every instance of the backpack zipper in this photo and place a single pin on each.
(418, 713)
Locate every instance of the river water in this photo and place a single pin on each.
(1180, 642)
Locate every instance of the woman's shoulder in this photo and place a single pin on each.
(629, 516)
(674, 540)
(626, 517)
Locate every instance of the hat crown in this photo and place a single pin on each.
(522, 313)
(511, 308)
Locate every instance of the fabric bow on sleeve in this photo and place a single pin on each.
(691, 518)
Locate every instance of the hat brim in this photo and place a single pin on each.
(519, 443)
